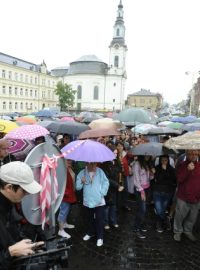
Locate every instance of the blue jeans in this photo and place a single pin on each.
(110, 215)
(161, 202)
(141, 210)
(64, 211)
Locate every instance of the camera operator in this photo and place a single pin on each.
(16, 181)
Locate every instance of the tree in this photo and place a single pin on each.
(66, 95)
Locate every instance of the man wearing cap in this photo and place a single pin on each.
(16, 181)
(5, 157)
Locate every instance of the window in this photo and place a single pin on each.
(16, 92)
(3, 73)
(114, 84)
(21, 77)
(43, 94)
(35, 93)
(21, 91)
(117, 33)
(116, 61)
(10, 75)
(31, 79)
(21, 106)
(4, 105)
(31, 106)
(10, 90)
(79, 92)
(10, 105)
(43, 81)
(49, 94)
(49, 83)
(26, 92)
(35, 80)
(96, 93)
(26, 79)
(16, 106)
(16, 76)
(26, 105)
(3, 89)
(31, 93)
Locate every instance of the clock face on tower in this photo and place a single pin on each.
(116, 46)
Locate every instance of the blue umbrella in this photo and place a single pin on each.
(44, 113)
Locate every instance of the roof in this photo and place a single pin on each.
(59, 71)
(88, 58)
(11, 60)
(143, 92)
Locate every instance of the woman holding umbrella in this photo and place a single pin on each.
(95, 185)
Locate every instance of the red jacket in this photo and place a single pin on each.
(188, 183)
(69, 195)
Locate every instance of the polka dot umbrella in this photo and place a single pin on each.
(28, 132)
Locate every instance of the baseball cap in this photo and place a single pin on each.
(20, 173)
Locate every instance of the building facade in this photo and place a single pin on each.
(24, 86)
(145, 99)
(99, 85)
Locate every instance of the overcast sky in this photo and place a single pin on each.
(162, 37)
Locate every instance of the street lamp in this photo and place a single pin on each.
(193, 74)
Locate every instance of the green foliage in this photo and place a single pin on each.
(66, 95)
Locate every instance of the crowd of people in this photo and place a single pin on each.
(170, 183)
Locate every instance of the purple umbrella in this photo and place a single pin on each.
(88, 151)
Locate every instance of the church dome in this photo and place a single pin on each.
(88, 64)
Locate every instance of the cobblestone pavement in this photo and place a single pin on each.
(123, 251)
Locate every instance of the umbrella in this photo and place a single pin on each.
(100, 132)
(20, 148)
(105, 123)
(44, 113)
(6, 117)
(29, 132)
(67, 118)
(142, 128)
(175, 125)
(132, 116)
(6, 126)
(45, 123)
(191, 126)
(71, 128)
(26, 120)
(90, 119)
(149, 149)
(163, 130)
(190, 140)
(87, 151)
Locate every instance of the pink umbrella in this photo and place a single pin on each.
(67, 118)
(20, 148)
(28, 132)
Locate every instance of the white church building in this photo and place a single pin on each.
(99, 85)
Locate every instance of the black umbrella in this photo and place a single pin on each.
(150, 149)
(44, 113)
(71, 128)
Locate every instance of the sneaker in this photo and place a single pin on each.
(106, 227)
(177, 237)
(68, 226)
(190, 236)
(144, 229)
(63, 233)
(139, 234)
(86, 237)
(99, 242)
(159, 228)
(116, 226)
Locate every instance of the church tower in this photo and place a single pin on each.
(118, 48)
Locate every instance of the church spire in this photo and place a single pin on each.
(119, 28)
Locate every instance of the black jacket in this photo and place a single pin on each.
(9, 233)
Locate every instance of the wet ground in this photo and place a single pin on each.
(122, 250)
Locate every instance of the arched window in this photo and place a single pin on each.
(21, 106)
(79, 92)
(10, 105)
(117, 32)
(116, 61)
(4, 105)
(26, 105)
(96, 93)
(16, 106)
